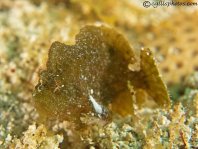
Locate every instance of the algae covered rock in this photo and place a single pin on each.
(92, 77)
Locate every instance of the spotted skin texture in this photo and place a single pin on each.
(91, 77)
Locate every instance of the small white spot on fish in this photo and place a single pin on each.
(97, 107)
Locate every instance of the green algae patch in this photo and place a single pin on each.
(98, 76)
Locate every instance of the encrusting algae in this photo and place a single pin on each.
(99, 75)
